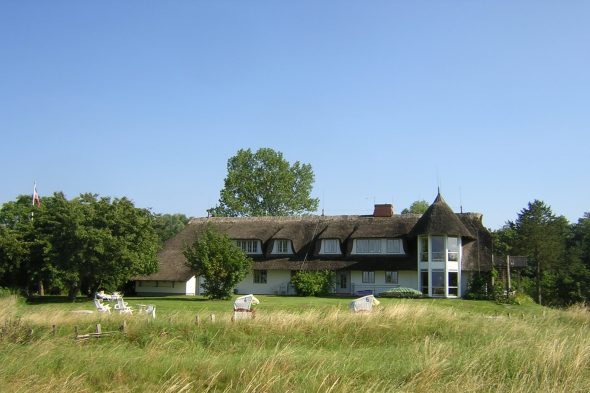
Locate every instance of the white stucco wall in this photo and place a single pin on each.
(275, 280)
(177, 288)
(406, 279)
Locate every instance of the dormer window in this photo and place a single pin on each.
(282, 246)
(393, 246)
(368, 246)
(377, 246)
(330, 246)
(249, 246)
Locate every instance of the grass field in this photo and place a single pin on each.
(297, 345)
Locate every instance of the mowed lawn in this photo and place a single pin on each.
(296, 344)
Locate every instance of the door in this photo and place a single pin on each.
(343, 282)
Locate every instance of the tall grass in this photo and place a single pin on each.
(406, 346)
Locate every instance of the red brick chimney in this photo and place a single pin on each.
(383, 210)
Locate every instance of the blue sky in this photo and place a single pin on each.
(387, 100)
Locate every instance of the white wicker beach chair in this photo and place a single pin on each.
(363, 304)
(243, 307)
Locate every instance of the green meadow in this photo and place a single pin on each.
(295, 345)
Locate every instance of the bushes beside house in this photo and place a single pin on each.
(314, 283)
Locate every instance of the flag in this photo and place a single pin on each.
(36, 199)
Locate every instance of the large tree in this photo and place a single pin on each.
(222, 264)
(75, 245)
(541, 236)
(263, 184)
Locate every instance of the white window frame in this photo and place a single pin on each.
(249, 246)
(367, 246)
(260, 276)
(393, 246)
(391, 277)
(330, 246)
(282, 246)
(368, 277)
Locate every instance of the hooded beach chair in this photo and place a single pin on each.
(363, 304)
(243, 307)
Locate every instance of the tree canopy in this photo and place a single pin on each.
(417, 207)
(75, 245)
(558, 269)
(265, 184)
(222, 264)
(168, 225)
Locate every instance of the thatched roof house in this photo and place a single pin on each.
(307, 235)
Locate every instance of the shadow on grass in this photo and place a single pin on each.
(51, 299)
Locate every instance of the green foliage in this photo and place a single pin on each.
(168, 225)
(5, 292)
(263, 184)
(555, 258)
(313, 283)
(75, 245)
(417, 207)
(222, 264)
(408, 293)
(478, 286)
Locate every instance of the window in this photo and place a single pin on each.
(369, 277)
(438, 248)
(453, 245)
(282, 246)
(166, 284)
(438, 283)
(453, 284)
(424, 281)
(424, 249)
(368, 246)
(248, 246)
(391, 277)
(393, 246)
(330, 246)
(260, 276)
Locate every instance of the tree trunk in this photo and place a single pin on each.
(72, 293)
(41, 288)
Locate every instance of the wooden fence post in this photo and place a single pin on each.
(212, 317)
(98, 329)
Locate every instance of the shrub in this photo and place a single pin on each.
(313, 283)
(5, 292)
(408, 293)
(217, 258)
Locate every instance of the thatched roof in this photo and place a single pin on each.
(440, 219)
(306, 234)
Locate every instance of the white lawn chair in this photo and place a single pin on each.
(149, 310)
(102, 308)
(123, 307)
(102, 296)
(243, 307)
(363, 304)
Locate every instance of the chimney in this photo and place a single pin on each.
(383, 210)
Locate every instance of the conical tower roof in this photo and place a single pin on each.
(439, 219)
